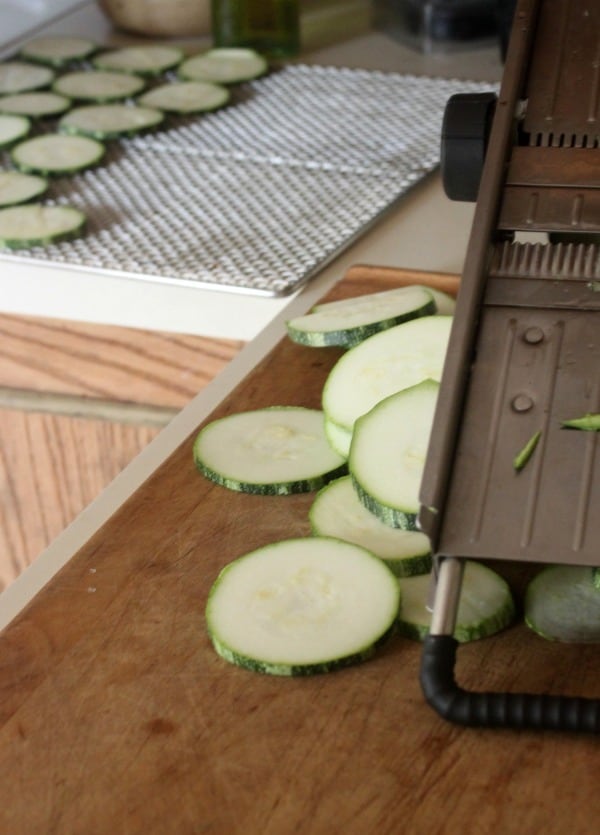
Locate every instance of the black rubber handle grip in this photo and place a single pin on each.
(497, 710)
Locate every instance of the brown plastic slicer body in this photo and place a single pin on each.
(524, 352)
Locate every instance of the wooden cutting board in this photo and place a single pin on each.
(116, 716)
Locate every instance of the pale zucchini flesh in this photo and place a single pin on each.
(562, 603)
(383, 364)
(57, 154)
(186, 97)
(357, 319)
(152, 59)
(22, 227)
(58, 50)
(486, 605)
(99, 86)
(16, 187)
(339, 437)
(19, 77)
(36, 104)
(273, 451)
(388, 451)
(224, 66)
(109, 121)
(302, 606)
(338, 512)
(12, 129)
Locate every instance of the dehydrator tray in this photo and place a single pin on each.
(258, 196)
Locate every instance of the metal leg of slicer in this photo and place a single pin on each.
(446, 593)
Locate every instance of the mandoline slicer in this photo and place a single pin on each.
(524, 352)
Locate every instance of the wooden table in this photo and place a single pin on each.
(116, 716)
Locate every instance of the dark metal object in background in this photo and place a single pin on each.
(524, 351)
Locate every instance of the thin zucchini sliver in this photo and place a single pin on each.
(186, 97)
(338, 512)
(57, 154)
(99, 85)
(106, 121)
(12, 128)
(36, 103)
(19, 77)
(302, 606)
(57, 50)
(16, 187)
(146, 60)
(562, 603)
(486, 605)
(224, 66)
(273, 451)
(38, 225)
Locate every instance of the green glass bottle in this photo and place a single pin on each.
(271, 27)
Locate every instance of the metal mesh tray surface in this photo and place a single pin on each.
(256, 197)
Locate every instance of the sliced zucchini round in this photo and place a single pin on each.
(275, 451)
(99, 86)
(338, 512)
(16, 187)
(58, 50)
(19, 77)
(387, 454)
(13, 128)
(145, 60)
(354, 320)
(109, 121)
(383, 364)
(36, 104)
(224, 65)
(55, 153)
(185, 97)
(486, 605)
(562, 603)
(22, 227)
(302, 606)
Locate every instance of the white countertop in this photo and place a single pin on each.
(424, 231)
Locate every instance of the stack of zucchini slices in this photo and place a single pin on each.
(318, 603)
(63, 98)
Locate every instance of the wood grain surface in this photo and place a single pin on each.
(116, 716)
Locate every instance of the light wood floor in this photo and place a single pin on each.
(77, 403)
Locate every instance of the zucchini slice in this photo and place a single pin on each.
(562, 603)
(388, 451)
(274, 451)
(55, 153)
(224, 65)
(486, 605)
(355, 320)
(98, 86)
(302, 606)
(145, 60)
(109, 121)
(13, 128)
(36, 104)
(338, 512)
(185, 97)
(383, 364)
(22, 227)
(58, 50)
(16, 187)
(19, 77)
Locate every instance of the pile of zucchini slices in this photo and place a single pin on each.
(315, 604)
(63, 98)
